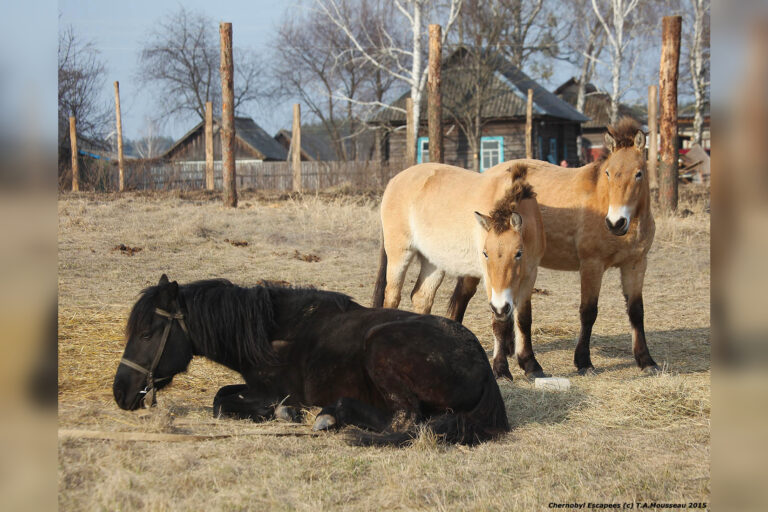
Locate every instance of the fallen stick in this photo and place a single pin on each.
(156, 436)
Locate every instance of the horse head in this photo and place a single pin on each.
(624, 173)
(503, 249)
(158, 346)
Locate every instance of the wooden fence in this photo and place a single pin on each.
(267, 176)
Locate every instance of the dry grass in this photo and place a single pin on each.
(616, 436)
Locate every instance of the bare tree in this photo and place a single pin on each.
(698, 44)
(618, 28)
(405, 63)
(181, 59)
(531, 28)
(472, 73)
(81, 77)
(315, 61)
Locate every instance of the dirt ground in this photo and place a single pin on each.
(618, 436)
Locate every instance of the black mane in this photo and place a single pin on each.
(229, 323)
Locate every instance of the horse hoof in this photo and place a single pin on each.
(324, 422)
(503, 374)
(538, 374)
(286, 413)
(651, 370)
(588, 371)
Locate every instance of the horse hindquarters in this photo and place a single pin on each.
(435, 370)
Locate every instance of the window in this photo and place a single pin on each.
(541, 148)
(491, 152)
(552, 157)
(422, 150)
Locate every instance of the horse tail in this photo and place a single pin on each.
(381, 278)
(487, 420)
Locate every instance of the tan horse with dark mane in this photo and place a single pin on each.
(597, 217)
(471, 225)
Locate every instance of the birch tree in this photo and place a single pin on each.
(698, 62)
(404, 63)
(618, 28)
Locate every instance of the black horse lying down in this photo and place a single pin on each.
(369, 368)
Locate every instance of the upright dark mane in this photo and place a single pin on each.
(519, 190)
(623, 132)
(228, 323)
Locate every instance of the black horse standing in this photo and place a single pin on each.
(304, 347)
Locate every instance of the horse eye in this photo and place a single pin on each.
(519, 254)
(146, 336)
(485, 253)
(606, 173)
(639, 175)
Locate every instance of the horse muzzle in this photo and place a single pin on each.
(618, 228)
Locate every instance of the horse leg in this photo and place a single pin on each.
(591, 280)
(632, 276)
(466, 287)
(349, 411)
(399, 256)
(503, 341)
(429, 280)
(523, 347)
(241, 402)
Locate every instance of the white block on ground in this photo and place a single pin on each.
(553, 383)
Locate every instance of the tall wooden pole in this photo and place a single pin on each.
(653, 136)
(529, 126)
(670, 59)
(73, 143)
(410, 134)
(434, 94)
(227, 116)
(210, 183)
(296, 147)
(120, 171)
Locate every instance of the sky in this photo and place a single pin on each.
(119, 29)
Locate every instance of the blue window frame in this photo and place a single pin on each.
(422, 150)
(541, 148)
(491, 152)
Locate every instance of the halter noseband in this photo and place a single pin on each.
(149, 389)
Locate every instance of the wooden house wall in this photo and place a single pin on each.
(457, 151)
(193, 149)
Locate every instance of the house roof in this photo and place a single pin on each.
(508, 95)
(248, 132)
(597, 104)
(314, 146)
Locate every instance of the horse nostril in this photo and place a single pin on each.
(620, 223)
(608, 223)
(506, 309)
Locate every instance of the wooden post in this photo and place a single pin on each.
(670, 59)
(73, 143)
(210, 183)
(410, 134)
(434, 94)
(296, 147)
(529, 126)
(120, 171)
(653, 136)
(227, 116)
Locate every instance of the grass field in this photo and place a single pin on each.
(618, 436)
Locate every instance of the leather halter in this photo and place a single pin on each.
(149, 389)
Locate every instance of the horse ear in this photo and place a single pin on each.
(610, 142)
(640, 140)
(163, 280)
(483, 220)
(516, 220)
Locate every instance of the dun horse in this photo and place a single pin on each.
(303, 347)
(597, 217)
(467, 224)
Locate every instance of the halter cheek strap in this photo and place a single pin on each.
(149, 390)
